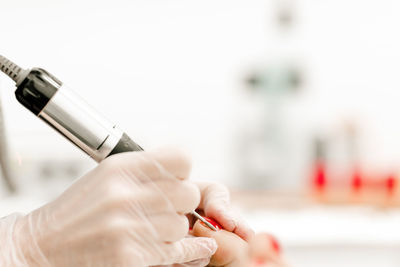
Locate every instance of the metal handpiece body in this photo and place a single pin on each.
(66, 112)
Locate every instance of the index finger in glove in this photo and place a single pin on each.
(150, 166)
(182, 196)
(190, 249)
(215, 202)
(195, 263)
(174, 161)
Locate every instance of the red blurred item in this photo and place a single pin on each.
(214, 223)
(319, 176)
(390, 184)
(356, 181)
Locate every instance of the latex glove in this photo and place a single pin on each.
(128, 211)
(215, 204)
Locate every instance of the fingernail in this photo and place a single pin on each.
(212, 222)
(275, 244)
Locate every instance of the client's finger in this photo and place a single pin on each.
(265, 250)
(215, 201)
(232, 250)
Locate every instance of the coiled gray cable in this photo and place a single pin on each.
(14, 71)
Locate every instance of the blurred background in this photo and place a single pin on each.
(291, 103)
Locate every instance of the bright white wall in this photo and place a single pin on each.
(169, 71)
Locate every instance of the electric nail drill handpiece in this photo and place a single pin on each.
(45, 96)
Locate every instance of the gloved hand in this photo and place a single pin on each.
(128, 211)
(215, 203)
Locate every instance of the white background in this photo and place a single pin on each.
(171, 72)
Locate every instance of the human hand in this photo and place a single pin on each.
(265, 251)
(232, 250)
(128, 211)
(215, 203)
(262, 251)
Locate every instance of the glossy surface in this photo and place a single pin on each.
(214, 223)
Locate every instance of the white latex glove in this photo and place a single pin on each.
(215, 204)
(128, 211)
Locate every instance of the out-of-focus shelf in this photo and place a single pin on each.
(256, 199)
(317, 233)
(260, 199)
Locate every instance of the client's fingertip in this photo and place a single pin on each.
(200, 229)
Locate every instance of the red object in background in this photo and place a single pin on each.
(214, 223)
(390, 184)
(319, 176)
(356, 181)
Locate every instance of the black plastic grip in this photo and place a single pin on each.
(125, 144)
(37, 89)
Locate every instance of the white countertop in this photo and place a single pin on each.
(334, 236)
